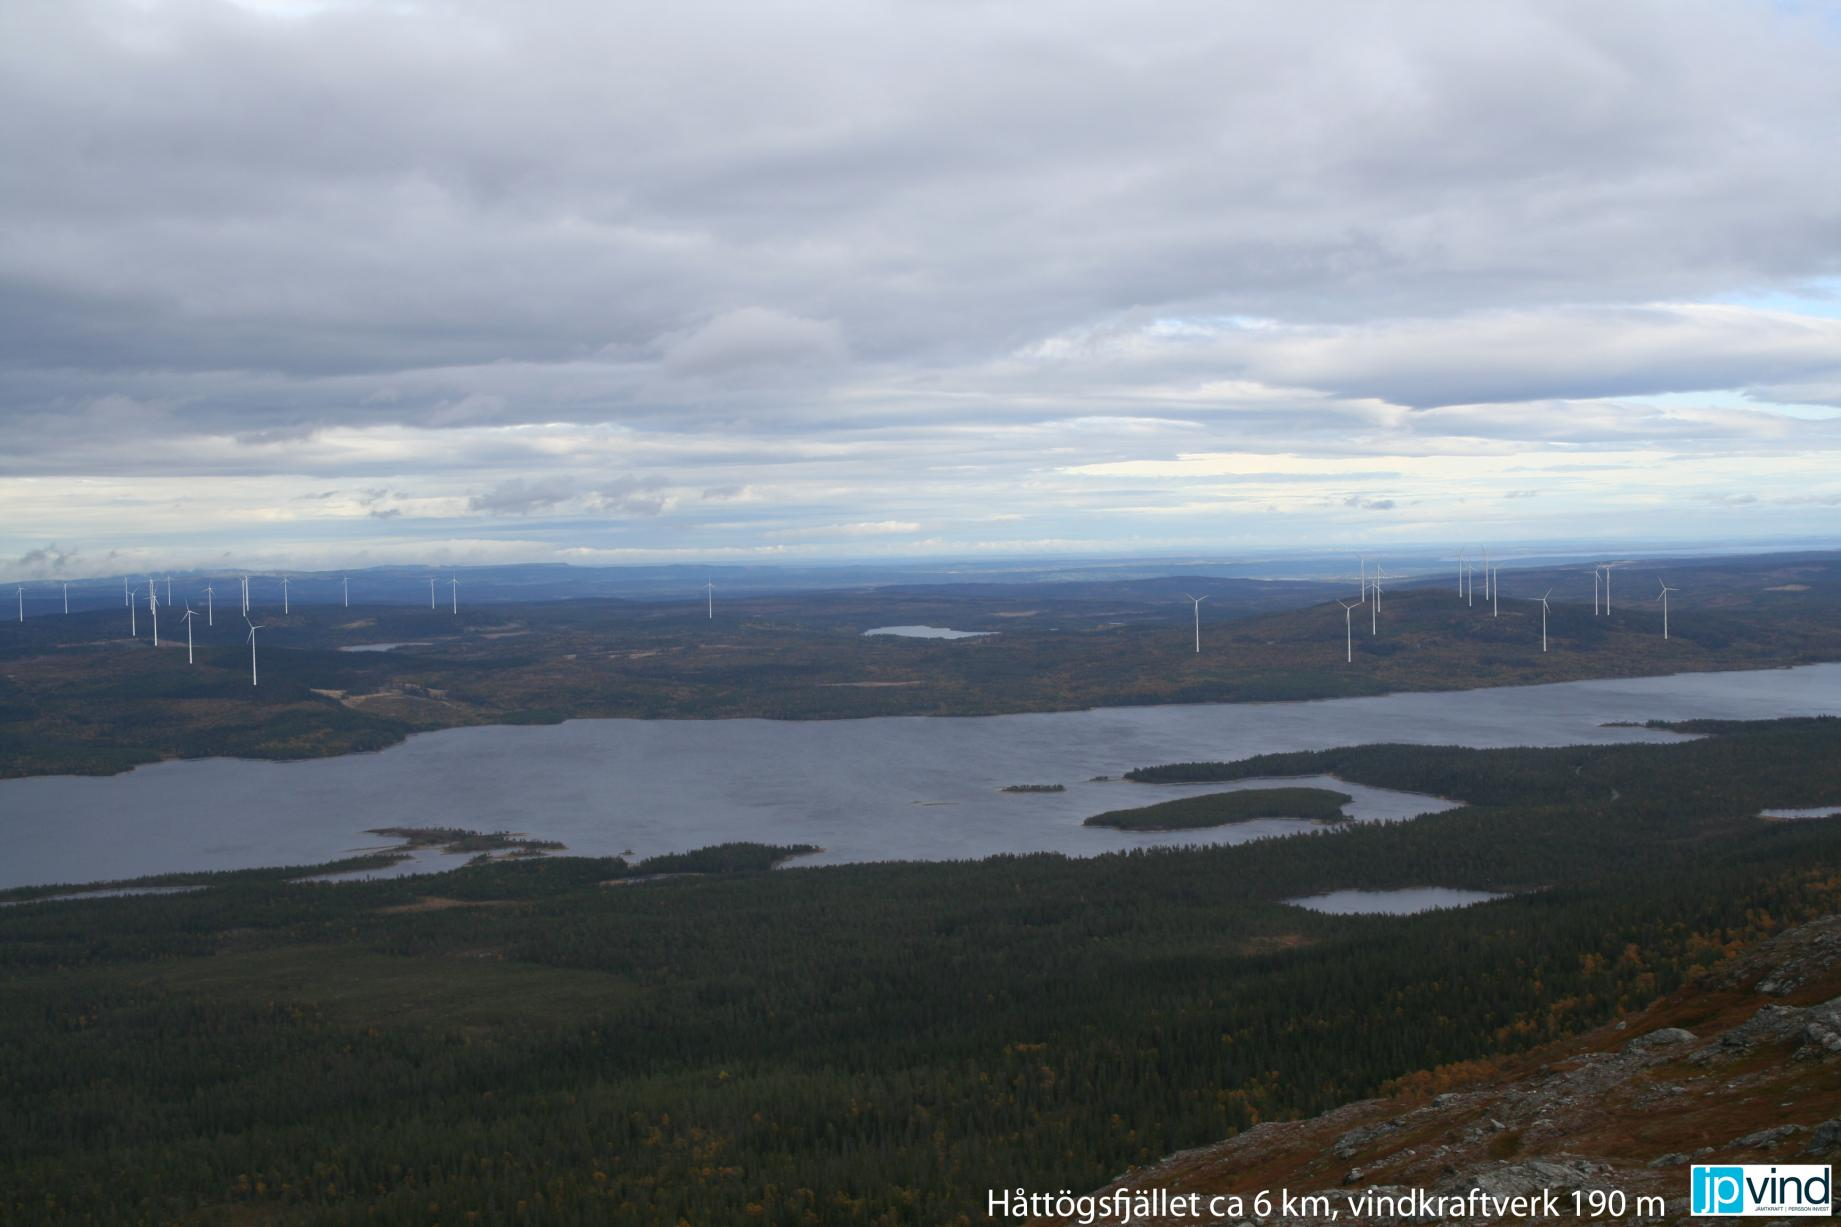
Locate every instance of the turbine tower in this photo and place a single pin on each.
(133, 629)
(1348, 632)
(1495, 595)
(1488, 582)
(126, 598)
(169, 588)
(1607, 587)
(454, 585)
(210, 613)
(1460, 573)
(22, 603)
(153, 610)
(1374, 610)
(1198, 619)
(189, 615)
(253, 628)
(1544, 597)
(346, 583)
(709, 595)
(431, 592)
(1594, 592)
(66, 596)
(284, 594)
(1663, 597)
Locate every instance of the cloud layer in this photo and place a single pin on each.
(321, 278)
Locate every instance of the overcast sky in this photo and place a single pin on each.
(298, 284)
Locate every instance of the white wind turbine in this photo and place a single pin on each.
(253, 628)
(284, 594)
(1487, 580)
(189, 615)
(1544, 597)
(1495, 595)
(454, 585)
(1374, 610)
(1663, 597)
(169, 588)
(1198, 618)
(133, 629)
(1460, 574)
(246, 598)
(709, 595)
(22, 603)
(210, 612)
(431, 592)
(1607, 586)
(153, 610)
(1348, 632)
(127, 598)
(67, 596)
(1594, 592)
(346, 583)
(1363, 575)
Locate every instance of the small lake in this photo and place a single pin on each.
(895, 788)
(1792, 815)
(927, 632)
(386, 647)
(1407, 902)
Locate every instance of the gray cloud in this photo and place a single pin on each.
(863, 263)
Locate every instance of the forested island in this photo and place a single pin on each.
(1221, 808)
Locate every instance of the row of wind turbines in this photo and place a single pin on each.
(1371, 587)
(131, 602)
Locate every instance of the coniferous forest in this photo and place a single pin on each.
(704, 1039)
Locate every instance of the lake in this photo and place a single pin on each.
(924, 788)
(1408, 901)
(927, 632)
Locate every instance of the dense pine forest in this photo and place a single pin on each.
(703, 1039)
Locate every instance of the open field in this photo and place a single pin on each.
(77, 695)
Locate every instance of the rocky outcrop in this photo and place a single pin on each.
(1745, 1065)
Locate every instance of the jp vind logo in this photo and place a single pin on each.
(1756, 1188)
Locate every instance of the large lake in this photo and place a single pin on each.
(897, 788)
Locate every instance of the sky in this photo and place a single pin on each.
(314, 283)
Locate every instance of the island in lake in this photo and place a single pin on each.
(1220, 808)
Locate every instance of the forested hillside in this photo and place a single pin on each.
(580, 1041)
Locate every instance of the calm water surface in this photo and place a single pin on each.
(1406, 902)
(895, 788)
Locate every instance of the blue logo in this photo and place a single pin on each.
(1719, 1190)
(1762, 1189)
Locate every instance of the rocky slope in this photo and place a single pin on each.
(1743, 1066)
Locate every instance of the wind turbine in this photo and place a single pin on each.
(431, 592)
(22, 603)
(1594, 592)
(1363, 575)
(210, 613)
(67, 596)
(246, 598)
(253, 628)
(1348, 633)
(189, 615)
(153, 610)
(1663, 597)
(126, 598)
(1544, 597)
(1460, 574)
(1495, 595)
(1198, 618)
(454, 584)
(284, 594)
(169, 587)
(1374, 610)
(133, 629)
(1607, 587)
(346, 583)
(709, 593)
(1488, 582)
